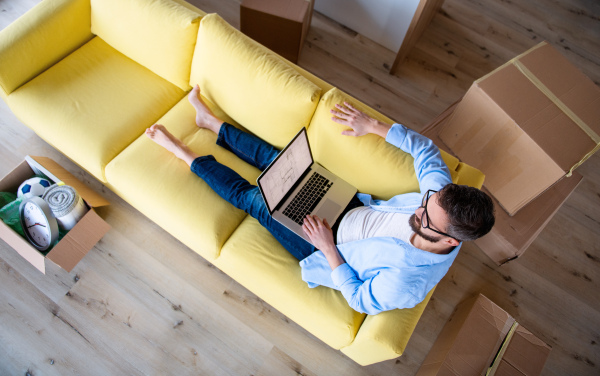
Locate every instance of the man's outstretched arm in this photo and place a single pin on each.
(431, 170)
(360, 123)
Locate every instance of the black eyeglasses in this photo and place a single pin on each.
(425, 221)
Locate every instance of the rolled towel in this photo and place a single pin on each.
(66, 204)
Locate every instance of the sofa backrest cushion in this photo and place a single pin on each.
(40, 38)
(368, 162)
(158, 34)
(253, 85)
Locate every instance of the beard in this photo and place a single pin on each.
(415, 225)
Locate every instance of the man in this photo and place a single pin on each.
(381, 255)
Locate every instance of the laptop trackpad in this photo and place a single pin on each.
(328, 210)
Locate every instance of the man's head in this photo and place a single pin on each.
(454, 214)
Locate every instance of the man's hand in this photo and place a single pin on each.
(360, 122)
(320, 234)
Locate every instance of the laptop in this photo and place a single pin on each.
(294, 185)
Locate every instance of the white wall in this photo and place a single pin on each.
(383, 21)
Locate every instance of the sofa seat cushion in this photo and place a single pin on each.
(253, 85)
(257, 261)
(93, 103)
(172, 196)
(158, 34)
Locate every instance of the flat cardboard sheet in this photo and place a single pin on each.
(526, 125)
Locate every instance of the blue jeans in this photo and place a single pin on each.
(239, 192)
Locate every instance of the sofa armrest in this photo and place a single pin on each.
(384, 336)
(469, 175)
(40, 38)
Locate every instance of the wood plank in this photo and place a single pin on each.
(37, 335)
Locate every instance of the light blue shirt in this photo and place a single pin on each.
(386, 273)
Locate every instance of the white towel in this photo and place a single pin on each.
(66, 204)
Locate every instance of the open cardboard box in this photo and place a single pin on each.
(526, 125)
(79, 240)
(512, 235)
(482, 339)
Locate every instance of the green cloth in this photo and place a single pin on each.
(10, 211)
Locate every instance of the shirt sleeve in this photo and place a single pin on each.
(430, 168)
(371, 296)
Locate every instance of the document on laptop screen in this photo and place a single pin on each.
(283, 173)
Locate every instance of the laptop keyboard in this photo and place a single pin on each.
(307, 198)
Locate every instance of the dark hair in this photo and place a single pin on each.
(470, 211)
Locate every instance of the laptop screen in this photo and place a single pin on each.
(287, 168)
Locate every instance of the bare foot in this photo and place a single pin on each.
(204, 116)
(159, 134)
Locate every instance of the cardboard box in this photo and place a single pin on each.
(79, 240)
(280, 25)
(476, 341)
(512, 235)
(526, 125)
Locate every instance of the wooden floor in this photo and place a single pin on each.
(142, 303)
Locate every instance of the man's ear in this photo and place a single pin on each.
(452, 242)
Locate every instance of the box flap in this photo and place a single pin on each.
(512, 235)
(438, 353)
(11, 181)
(57, 173)
(79, 240)
(567, 87)
(482, 135)
(526, 352)
(557, 106)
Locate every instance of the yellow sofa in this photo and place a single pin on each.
(89, 76)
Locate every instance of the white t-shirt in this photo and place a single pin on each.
(364, 222)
